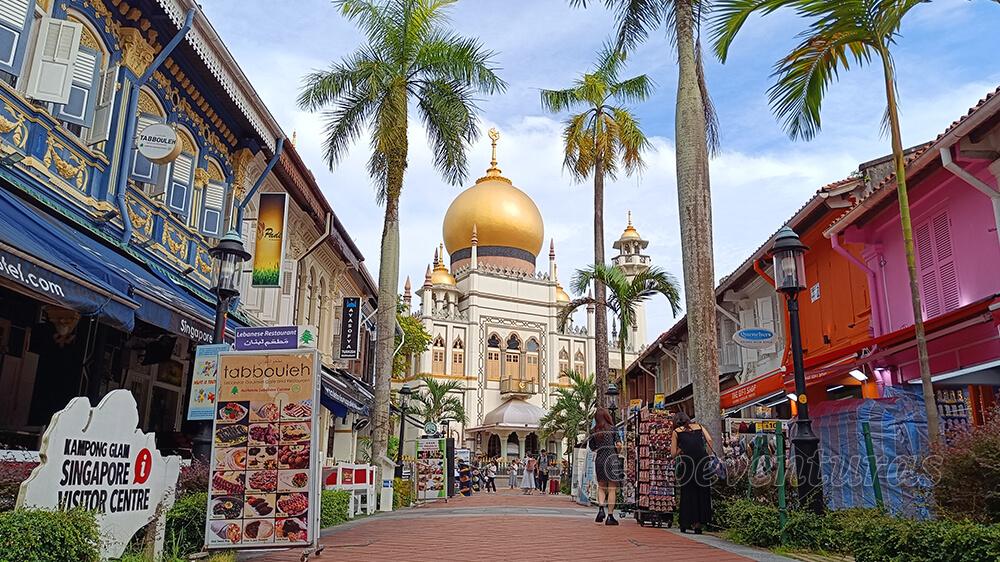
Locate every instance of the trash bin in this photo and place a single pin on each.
(388, 467)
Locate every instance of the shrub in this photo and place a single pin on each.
(37, 534)
(967, 473)
(185, 531)
(11, 476)
(333, 507)
(402, 493)
(193, 478)
(751, 523)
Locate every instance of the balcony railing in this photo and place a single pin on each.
(517, 386)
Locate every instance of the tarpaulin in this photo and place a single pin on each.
(898, 426)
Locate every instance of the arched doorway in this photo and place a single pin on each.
(493, 446)
(531, 444)
(513, 446)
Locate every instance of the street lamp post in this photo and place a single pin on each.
(789, 274)
(227, 257)
(404, 398)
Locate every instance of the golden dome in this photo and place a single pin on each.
(561, 296)
(440, 274)
(503, 215)
(630, 232)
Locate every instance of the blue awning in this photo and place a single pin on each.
(340, 396)
(42, 256)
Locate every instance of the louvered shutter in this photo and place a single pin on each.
(179, 186)
(101, 130)
(765, 319)
(212, 215)
(82, 93)
(747, 321)
(15, 18)
(939, 287)
(947, 272)
(142, 169)
(54, 61)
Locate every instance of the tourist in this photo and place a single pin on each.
(491, 476)
(512, 469)
(693, 472)
(555, 469)
(528, 480)
(604, 441)
(543, 472)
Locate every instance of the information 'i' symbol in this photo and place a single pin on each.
(143, 466)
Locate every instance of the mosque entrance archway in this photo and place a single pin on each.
(513, 446)
(493, 447)
(531, 444)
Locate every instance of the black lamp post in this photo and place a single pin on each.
(789, 274)
(227, 257)
(612, 394)
(404, 398)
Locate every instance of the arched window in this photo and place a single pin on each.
(458, 357)
(531, 361)
(208, 207)
(493, 446)
(512, 359)
(579, 363)
(177, 177)
(310, 303)
(437, 356)
(531, 444)
(513, 343)
(320, 313)
(563, 366)
(493, 357)
(144, 172)
(531, 346)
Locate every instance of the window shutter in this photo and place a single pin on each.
(939, 286)
(947, 272)
(55, 58)
(765, 318)
(211, 216)
(179, 186)
(747, 321)
(288, 277)
(82, 93)
(15, 18)
(142, 169)
(101, 130)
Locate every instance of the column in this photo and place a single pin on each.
(520, 444)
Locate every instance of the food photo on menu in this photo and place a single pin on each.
(295, 432)
(293, 456)
(297, 411)
(261, 458)
(264, 411)
(229, 531)
(231, 459)
(226, 507)
(260, 530)
(259, 505)
(293, 529)
(292, 505)
(293, 481)
(264, 434)
(262, 480)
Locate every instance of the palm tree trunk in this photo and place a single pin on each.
(601, 366)
(385, 318)
(923, 359)
(694, 199)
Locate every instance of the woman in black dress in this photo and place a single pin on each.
(693, 472)
(605, 442)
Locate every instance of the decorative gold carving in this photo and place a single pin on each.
(178, 249)
(137, 54)
(200, 177)
(140, 223)
(215, 172)
(20, 135)
(241, 161)
(187, 143)
(44, 5)
(203, 265)
(64, 167)
(88, 39)
(148, 105)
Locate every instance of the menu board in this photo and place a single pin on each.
(432, 481)
(264, 482)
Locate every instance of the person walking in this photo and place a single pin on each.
(692, 442)
(512, 473)
(528, 480)
(555, 473)
(491, 476)
(606, 444)
(543, 472)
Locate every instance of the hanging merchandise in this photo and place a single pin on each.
(652, 468)
(953, 409)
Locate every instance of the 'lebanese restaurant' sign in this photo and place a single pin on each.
(275, 338)
(349, 327)
(269, 251)
(96, 459)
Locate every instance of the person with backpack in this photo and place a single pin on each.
(543, 472)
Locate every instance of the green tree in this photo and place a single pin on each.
(695, 138)
(437, 401)
(600, 139)
(413, 341)
(840, 32)
(409, 58)
(572, 411)
(625, 293)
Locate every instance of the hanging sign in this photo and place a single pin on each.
(754, 338)
(275, 338)
(201, 402)
(264, 476)
(659, 402)
(96, 459)
(350, 324)
(158, 143)
(269, 251)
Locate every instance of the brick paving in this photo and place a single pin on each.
(504, 526)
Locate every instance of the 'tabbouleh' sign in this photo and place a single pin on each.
(96, 459)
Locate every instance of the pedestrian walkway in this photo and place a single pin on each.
(510, 525)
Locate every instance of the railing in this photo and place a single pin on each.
(516, 386)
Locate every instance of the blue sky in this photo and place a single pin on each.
(945, 59)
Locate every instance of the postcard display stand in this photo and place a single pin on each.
(652, 468)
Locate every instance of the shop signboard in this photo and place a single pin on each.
(201, 401)
(659, 402)
(431, 466)
(350, 323)
(634, 405)
(158, 143)
(96, 459)
(754, 338)
(736, 426)
(269, 251)
(275, 338)
(264, 476)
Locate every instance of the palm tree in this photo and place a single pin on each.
(626, 293)
(841, 31)
(695, 138)
(436, 401)
(410, 58)
(573, 409)
(599, 140)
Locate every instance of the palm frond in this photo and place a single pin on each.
(449, 115)
(448, 56)
(633, 90)
(728, 19)
(555, 101)
(631, 142)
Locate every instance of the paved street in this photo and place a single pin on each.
(511, 526)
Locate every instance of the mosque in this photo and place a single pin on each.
(493, 317)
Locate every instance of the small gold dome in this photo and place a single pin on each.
(630, 232)
(503, 215)
(561, 296)
(440, 274)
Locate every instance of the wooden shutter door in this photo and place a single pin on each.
(178, 193)
(950, 297)
(15, 16)
(211, 218)
(929, 293)
(101, 130)
(765, 319)
(55, 57)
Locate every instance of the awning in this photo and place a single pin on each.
(341, 394)
(983, 374)
(43, 256)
